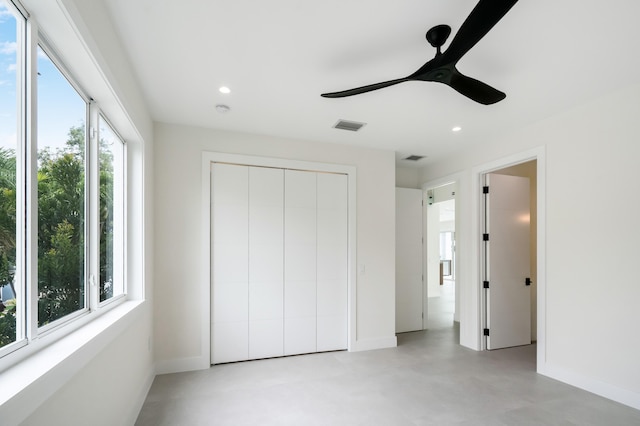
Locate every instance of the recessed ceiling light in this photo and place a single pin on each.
(456, 129)
(224, 89)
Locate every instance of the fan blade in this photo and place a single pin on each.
(363, 89)
(482, 18)
(475, 90)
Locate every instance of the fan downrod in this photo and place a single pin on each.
(437, 36)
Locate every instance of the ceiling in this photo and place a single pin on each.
(278, 56)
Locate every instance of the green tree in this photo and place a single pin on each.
(106, 220)
(61, 210)
(7, 242)
(61, 230)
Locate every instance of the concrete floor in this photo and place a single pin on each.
(429, 379)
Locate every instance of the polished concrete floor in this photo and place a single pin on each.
(440, 309)
(427, 380)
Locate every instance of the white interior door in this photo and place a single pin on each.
(409, 298)
(332, 261)
(300, 262)
(507, 261)
(229, 263)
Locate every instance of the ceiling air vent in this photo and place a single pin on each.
(414, 157)
(348, 125)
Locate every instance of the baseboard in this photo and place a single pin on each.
(606, 390)
(372, 344)
(182, 364)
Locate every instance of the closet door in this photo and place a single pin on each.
(332, 261)
(266, 240)
(229, 263)
(300, 262)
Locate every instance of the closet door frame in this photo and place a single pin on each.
(208, 158)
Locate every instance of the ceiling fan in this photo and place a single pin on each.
(442, 68)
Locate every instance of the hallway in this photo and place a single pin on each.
(441, 308)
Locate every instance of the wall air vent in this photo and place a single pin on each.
(352, 126)
(414, 157)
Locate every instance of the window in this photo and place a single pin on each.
(111, 211)
(62, 194)
(10, 100)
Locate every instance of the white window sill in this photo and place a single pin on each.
(33, 380)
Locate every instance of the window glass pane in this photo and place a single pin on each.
(9, 101)
(111, 164)
(61, 194)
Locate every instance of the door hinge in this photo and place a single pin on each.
(485, 237)
(485, 284)
(485, 189)
(527, 281)
(486, 331)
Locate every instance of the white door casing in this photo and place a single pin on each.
(507, 261)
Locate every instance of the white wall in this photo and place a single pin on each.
(408, 177)
(592, 290)
(109, 389)
(179, 284)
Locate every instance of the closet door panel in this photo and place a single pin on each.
(332, 244)
(231, 303)
(266, 338)
(230, 342)
(229, 262)
(301, 335)
(332, 295)
(332, 333)
(300, 262)
(266, 239)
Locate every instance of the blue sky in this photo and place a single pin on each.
(59, 105)
(7, 78)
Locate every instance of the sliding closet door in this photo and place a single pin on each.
(229, 263)
(266, 240)
(300, 262)
(332, 261)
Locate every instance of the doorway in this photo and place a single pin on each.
(509, 292)
(441, 257)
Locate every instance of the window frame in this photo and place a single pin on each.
(21, 18)
(31, 338)
(44, 44)
(95, 231)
